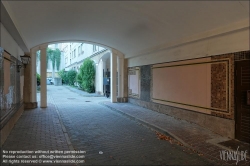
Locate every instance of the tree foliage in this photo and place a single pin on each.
(63, 75)
(38, 79)
(55, 57)
(68, 77)
(86, 76)
(52, 55)
(71, 77)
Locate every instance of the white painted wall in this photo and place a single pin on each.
(85, 51)
(213, 44)
(103, 63)
(99, 77)
(9, 44)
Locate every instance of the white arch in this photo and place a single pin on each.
(113, 52)
(76, 41)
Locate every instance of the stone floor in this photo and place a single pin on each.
(195, 137)
(113, 134)
(36, 129)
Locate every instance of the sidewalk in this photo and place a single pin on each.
(82, 93)
(37, 129)
(195, 137)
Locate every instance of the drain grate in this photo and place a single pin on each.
(234, 144)
(87, 101)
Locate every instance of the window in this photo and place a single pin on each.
(82, 49)
(79, 50)
(94, 48)
(74, 53)
(65, 49)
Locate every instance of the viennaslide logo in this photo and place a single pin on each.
(237, 155)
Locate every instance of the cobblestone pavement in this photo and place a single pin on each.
(191, 135)
(100, 128)
(110, 138)
(37, 129)
(82, 93)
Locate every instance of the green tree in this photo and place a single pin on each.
(63, 75)
(86, 76)
(55, 57)
(52, 55)
(38, 79)
(79, 77)
(71, 77)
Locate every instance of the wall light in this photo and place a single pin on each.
(25, 61)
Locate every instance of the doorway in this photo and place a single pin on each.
(242, 98)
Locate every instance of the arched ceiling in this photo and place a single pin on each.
(128, 26)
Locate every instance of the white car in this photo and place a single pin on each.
(49, 81)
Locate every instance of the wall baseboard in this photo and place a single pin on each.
(122, 99)
(221, 126)
(30, 105)
(5, 131)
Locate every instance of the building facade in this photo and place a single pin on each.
(75, 53)
(72, 57)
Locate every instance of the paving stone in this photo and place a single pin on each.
(193, 135)
(116, 130)
(93, 127)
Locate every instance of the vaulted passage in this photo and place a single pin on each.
(170, 63)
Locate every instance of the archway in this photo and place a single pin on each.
(102, 72)
(116, 70)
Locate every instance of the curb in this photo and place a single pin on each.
(75, 91)
(63, 127)
(154, 127)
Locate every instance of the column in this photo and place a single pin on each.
(97, 79)
(43, 72)
(103, 74)
(100, 75)
(104, 65)
(113, 71)
(33, 75)
(120, 77)
(27, 86)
